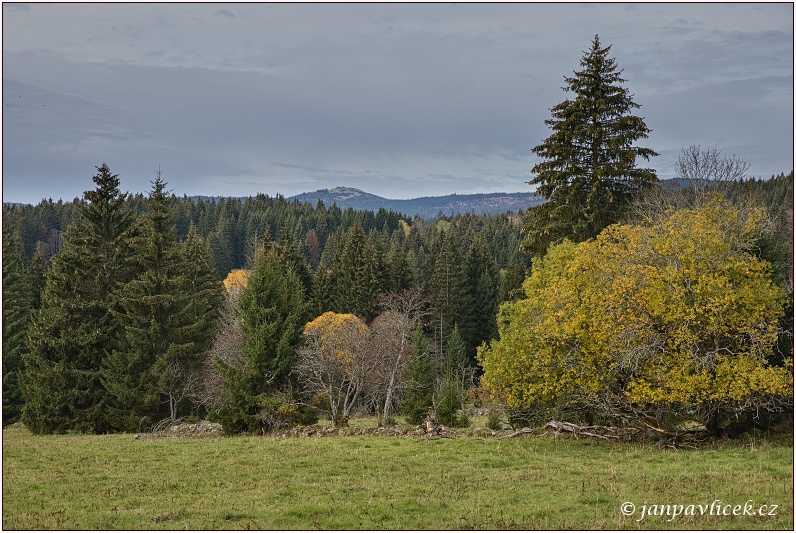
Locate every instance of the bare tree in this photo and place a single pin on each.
(180, 383)
(390, 341)
(700, 166)
(706, 173)
(227, 349)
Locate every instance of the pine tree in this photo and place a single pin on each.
(588, 173)
(76, 328)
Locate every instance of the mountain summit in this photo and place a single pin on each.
(426, 207)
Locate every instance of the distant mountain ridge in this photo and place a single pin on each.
(427, 206)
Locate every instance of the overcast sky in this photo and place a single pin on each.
(401, 100)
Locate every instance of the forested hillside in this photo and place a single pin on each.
(461, 267)
(458, 269)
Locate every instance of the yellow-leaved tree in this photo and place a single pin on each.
(335, 361)
(236, 281)
(656, 324)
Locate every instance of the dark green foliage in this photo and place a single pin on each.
(169, 315)
(76, 328)
(273, 309)
(200, 313)
(419, 397)
(588, 173)
(484, 283)
(449, 402)
(18, 304)
(450, 292)
(456, 360)
(148, 304)
(450, 398)
(291, 254)
(357, 276)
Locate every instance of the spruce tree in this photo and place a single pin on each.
(274, 311)
(76, 328)
(18, 300)
(450, 293)
(588, 173)
(419, 397)
(356, 278)
(483, 280)
(195, 323)
(147, 304)
(290, 252)
(451, 391)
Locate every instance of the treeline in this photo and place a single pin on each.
(101, 333)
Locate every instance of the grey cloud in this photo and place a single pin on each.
(396, 96)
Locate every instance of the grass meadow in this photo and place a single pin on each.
(379, 482)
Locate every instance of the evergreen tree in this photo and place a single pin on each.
(419, 397)
(450, 293)
(398, 274)
(18, 300)
(290, 253)
(76, 328)
(451, 392)
(483, 280)
(37, 275)
(511, 279)
(357, 286)
(273, 312)
(195, 324)
(147, 304)
(588, 173)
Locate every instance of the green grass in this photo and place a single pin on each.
(117, 482)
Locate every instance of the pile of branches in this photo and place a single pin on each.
(664, 438)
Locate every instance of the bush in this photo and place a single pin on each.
(450, 402)
(493, 421)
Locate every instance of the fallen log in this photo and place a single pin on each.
(518, 432)
(597, 432)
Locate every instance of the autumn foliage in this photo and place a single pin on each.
(659, 323)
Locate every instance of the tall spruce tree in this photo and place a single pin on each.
(77, 328)
(18, 301)
(146, 307)
(450, 293)
(483, 281)
(588, 173)
(195, 324)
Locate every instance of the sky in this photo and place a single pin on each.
(400, 100)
